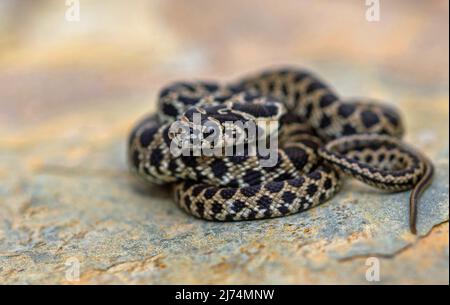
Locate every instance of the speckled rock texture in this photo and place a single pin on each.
(71, 91)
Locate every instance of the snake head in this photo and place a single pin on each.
(231, 123)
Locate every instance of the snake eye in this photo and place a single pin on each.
(209, 130)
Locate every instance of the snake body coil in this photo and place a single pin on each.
(321, 137)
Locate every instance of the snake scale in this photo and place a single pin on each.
(321, 137)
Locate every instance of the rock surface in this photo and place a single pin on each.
(66, 196)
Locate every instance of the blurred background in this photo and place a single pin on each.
(76, 75)
(122, 50)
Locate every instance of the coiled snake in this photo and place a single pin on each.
(321, 137)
